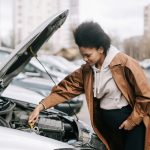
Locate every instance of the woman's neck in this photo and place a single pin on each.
(100, 62)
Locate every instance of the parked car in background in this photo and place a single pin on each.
(51, 124)
(43, 87)
(58, 63)
(34, 68)
(33, 81)
(145, 64)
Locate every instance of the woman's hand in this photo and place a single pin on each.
(127, 125)
(35, 114)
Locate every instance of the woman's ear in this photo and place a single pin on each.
(100, 50)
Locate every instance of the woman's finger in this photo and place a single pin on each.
(121, 126)
(32, 118)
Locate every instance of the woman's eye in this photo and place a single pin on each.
(87, 55)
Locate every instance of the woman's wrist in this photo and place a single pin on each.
(131, 122)
(40, 107)
(136, 120)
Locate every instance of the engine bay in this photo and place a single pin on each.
(15, 115)
(51, 123)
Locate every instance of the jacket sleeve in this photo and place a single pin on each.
(141, 91)
(70, 87)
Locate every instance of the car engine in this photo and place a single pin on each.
(15, 115)
(51, 123)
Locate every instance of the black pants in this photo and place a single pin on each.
(131, 140)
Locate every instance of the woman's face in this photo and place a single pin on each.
(92, 55)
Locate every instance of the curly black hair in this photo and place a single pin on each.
(91, 35)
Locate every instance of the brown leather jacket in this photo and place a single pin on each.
(129, 78)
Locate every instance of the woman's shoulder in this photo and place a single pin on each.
(86, 67)
(122, 59)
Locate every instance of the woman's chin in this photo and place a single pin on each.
(91, 64)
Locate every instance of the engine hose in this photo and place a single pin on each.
(10, 108)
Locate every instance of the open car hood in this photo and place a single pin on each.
(28, 48)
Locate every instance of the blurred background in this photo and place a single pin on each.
(126, 22)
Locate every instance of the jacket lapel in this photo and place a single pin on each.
(118, 74)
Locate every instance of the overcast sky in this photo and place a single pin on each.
(123, 18)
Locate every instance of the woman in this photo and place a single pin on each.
(116, 89)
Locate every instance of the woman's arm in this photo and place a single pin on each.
(71, 86)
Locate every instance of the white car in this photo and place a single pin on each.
(51, 124)
(22, 94)
(12, 139)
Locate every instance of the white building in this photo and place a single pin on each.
(147, 21)
(6, 31)
(28, 14)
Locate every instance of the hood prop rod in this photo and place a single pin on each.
(35, 55)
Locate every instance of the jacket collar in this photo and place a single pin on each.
(119, 59)
(112, 52)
